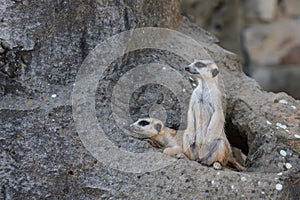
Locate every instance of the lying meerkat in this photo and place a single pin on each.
(158, 135)
(204, 139)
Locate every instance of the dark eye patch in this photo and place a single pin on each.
(143, 123)
(200, 64)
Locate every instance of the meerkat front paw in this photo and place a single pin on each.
(172, 150)
(169, 151)
(180, 156)
(217, 166)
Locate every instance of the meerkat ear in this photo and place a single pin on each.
(214, 72)
(158, 127)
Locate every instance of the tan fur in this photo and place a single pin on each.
(169, 139)
(204, 139)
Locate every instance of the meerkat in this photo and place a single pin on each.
(158, 135)
(204, 139)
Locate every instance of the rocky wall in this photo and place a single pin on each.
(43, 156)
(265, 33)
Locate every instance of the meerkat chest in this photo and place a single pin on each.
(170, 141)
(203, 97)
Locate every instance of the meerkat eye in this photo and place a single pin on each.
(200, 64)
(143, 123)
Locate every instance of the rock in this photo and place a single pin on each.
(278, 78)
(260, 10)
(221, 17)
(292, 57)
(201, 10)
(2, 50)
(267, 9)
(43, 151)
(292, 7)
(268, 44)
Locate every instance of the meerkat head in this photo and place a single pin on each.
(147, 127)
(203, 69)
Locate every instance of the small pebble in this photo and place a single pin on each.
(283, 153)
(53, 95)
(279, 174)
(194, 85)
(281, 125)
(262, 192)
(283, 101)
(183, 90)
(2, 50)
(278, 186)
(269, 123)
(164, 68)
(294, 107)
(218, 173)
(212, 182)
(288, 165)
(243, 178)
(232, 187)
(297, 136)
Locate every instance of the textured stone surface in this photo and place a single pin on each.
(277, 79)
(223, 18)
(268, 44)
(263, 33)
(42, 155)
(262, 10)
(292, 7)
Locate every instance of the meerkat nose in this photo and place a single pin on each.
(187, 69)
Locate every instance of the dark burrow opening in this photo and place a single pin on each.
(236, 138)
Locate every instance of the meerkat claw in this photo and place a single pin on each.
(180, 156)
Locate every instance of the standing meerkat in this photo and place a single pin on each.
(158, 135)
(204, 139)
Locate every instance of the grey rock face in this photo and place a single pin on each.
(265, 34)
(43, 44)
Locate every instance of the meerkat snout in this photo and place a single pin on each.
(192, 68)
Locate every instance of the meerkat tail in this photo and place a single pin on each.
(211, 153)
(235, 164)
